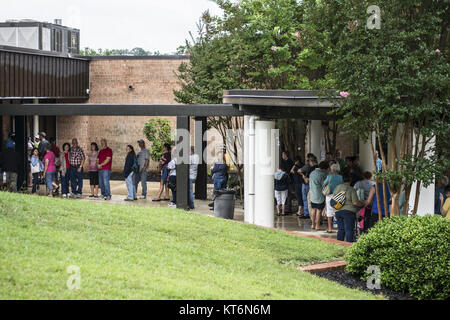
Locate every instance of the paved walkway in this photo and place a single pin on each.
(119, 191)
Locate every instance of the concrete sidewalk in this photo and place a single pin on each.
(119, 193)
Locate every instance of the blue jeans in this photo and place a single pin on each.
(305, 190)
(142, 178)
(131, 186)
(220, 183)
(65, 183)
(103, 180)
(76, 180)
(191, 193)
(346, 224)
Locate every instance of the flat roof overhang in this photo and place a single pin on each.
(277, 104)
(85, 109)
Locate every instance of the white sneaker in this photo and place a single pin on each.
(78, 195)
(71, 195)
(171, 204)
(64, 195)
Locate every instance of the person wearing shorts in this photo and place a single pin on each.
(281, 190)
(333, 180)
(316, 180)
(165, 159)
(93, 170)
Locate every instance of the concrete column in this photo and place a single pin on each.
(265, 152)
(365, 154)
(201, 186)
(249, 169)
(36, 121)
(246, 170)
(317, 139)
(182, 155)
(426, 198)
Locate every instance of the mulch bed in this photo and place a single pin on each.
(351, 281)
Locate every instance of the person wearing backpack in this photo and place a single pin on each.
(129, 172)
(349, 205)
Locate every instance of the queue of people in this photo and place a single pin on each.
(62, 172)
(316, 184)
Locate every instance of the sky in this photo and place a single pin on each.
(155, 25)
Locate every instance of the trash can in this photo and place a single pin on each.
(224, 203)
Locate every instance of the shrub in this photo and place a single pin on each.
(412, 254)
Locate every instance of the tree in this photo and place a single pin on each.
(158, 132)
(394, 81)
(257, 44)
(118, 52)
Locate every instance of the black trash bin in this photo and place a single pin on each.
(224, 203)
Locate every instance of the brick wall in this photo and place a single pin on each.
(153, 81)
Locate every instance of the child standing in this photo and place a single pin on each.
(36, 169)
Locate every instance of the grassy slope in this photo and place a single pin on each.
(147, 253)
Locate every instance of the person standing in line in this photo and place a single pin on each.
(10, 163)
(220, 175)
(43, 143)
(76, 160)
(304, 172)
(281, 190)
(193, 168)
(65, 170)
(36, 169)
(445, 202)
(30, 147)
(143, 159)
(57, 152)
(316, 180)
(372, 200)
(172, 180)
(93, 170)
(298, 184)
(129, 170)
(333, 180)
(37, 141)
(440, 186)
(105, 166)
(165, 159)
(346, 216)
(50, 171)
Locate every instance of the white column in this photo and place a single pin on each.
(365, 154)
(265, 151)
(317, 139)
(246, 170)
(426, 198)
(35, 121)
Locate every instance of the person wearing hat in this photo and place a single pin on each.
(10, 163)
(37, 140)
(143, 159)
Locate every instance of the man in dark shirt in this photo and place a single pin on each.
(304, 172)
(9, 163)
(42, 148)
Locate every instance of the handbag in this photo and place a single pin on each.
(338, 200)
(326, 190)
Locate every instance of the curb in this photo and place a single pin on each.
(323, 267)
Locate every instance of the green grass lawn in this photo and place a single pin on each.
(128, 252)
